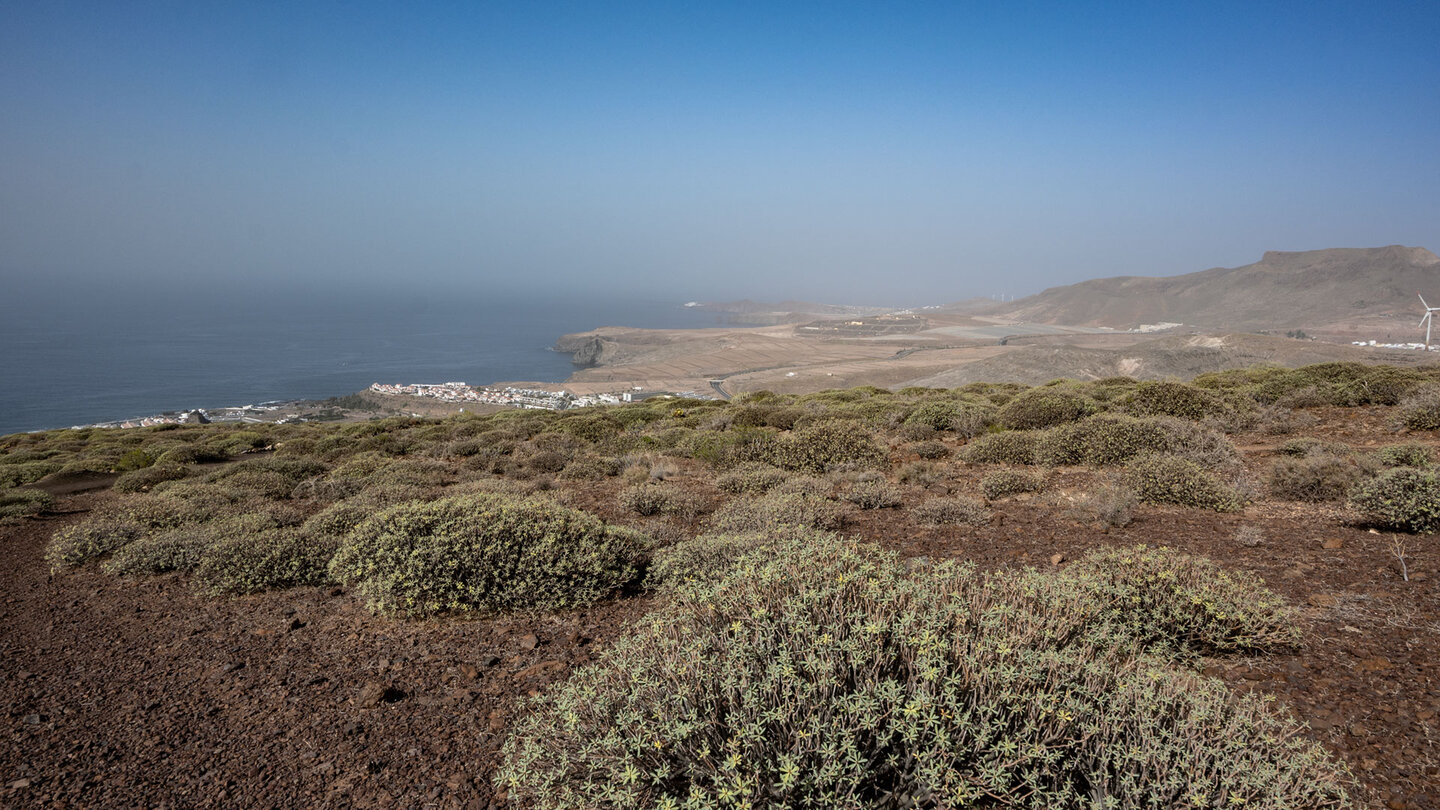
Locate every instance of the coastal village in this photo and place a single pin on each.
(516, 397)
(281, 412)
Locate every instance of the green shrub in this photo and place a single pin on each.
(710, 557)
(751, 478)
(484, 552)
(423, 473)
(258, 483)
(1180, 481)
(963, 418)
(546, 461)
(1302, 446)
(658, 499)
(1004, 482)
(1045, 407)
(1109, 439)
(265, 561)
(873, 494)
(17, 455)
(1171, 399)
(729, 448)
(824, 674)
(136, 459)
(154, 511)
(1404, 499)
(1407, 454)
(590, 424)
(1385, 385)
(824, 446)
(327, 489)
(16, 503)
(804, 485)
(916, 432)
(1421, 409)
(90, 539)
(1162, 596)
(1311, 396)
(1319, 476)
(274, 478)
(143, 479)
(775, 510)
(21, 473)
(1103, 440)
(920, 473)
(931, 450)
(1006, 447)
(181, 549)
(956, 510)
(202, 496)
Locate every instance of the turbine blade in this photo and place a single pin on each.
(1422, 301)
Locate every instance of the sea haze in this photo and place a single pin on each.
(90, 356)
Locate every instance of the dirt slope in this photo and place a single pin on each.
(1179, 357)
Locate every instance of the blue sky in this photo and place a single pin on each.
(868, 152)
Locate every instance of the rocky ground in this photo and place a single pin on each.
(137, 693)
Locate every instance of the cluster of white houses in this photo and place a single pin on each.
(1412, 346)
(514, 397)
(255, 414)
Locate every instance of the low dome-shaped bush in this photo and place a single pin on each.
(751, 478)
(1180, 481)
(484, 552)
(1008, 481)
(1320, 475)
(1045, 407)
(1420, 410)
(828, 445)
(821, 673)
(143, 479)
(965, 418)
(1405, 498)
(1167, 398)
(775, 510)
(1005, 447)
(1406, 454)
(264, 561)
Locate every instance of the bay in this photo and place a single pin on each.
(85, 356)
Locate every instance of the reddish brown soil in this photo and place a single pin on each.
(137, 693)
(131, 693)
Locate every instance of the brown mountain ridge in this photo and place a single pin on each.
(1313, 289)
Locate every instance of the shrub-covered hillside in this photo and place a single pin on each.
(797, 657)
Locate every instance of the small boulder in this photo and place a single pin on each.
(371, 694)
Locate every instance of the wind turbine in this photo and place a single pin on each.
(1426, 320)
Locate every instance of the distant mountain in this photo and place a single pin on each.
(1313, 289)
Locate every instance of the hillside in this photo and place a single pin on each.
(1313, 289)
(221, 615)
(1157, 359)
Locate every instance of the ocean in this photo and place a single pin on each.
(89, 356)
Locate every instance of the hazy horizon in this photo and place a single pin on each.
(846, 152)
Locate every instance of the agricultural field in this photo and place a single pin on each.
(1214, 593)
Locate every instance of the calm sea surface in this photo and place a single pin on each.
(79, 359)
